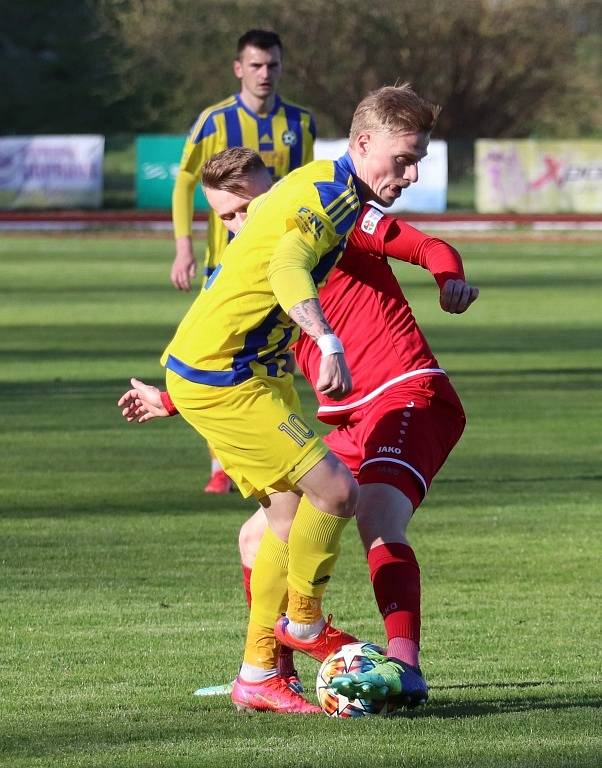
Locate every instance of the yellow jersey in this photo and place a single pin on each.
(238, 326)
(284, 138)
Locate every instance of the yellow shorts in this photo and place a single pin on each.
(255, 428)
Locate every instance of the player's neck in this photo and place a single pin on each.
(257, 105)
(358, 164)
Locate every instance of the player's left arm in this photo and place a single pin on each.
(395, 239)
(457, 295)
(309, 137)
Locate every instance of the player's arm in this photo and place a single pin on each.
(289, 273)
(441, 259)
(199, 147)
(309, 137)
(397, 240)
(184, 267)
(144, 402)
(334, 378)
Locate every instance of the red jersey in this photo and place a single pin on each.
(367, 310)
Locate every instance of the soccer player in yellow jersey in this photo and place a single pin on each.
(257, 117)
(227, 375)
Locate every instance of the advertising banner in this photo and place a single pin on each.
(428, 195)
(530, 176)
(157, 162)
(51, 171)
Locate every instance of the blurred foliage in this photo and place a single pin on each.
(55, 70)
(499, 67)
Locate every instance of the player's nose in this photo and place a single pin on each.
(411, 173)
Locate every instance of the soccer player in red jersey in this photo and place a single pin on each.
(394, 430)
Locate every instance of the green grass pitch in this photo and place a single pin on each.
(120, 587)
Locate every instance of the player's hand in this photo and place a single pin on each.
(184, 267)
(334, 379)
(142, 403)
(457, 295)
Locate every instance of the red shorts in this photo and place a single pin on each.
(403, 436)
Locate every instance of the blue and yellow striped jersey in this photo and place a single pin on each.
(237, 326)
(284, 138)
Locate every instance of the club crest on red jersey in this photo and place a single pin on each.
(370, 220)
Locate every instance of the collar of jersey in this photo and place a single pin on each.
(346, 166)
(254, 115)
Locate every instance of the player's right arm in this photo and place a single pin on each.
(184, 267)
(199, 147)
(144, 402)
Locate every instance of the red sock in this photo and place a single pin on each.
(395, 576)
(246, 582)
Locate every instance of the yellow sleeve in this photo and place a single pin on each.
(194, 156)
(308, 237)
(309, 129)
(182, 203)
(289, 270)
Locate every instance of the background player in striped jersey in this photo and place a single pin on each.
(257, 117)
(395, 428)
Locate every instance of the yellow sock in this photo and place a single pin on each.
(261, 647)
(268, 600)
(305, 610)
(313, 550)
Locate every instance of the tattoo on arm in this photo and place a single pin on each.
(309, 317)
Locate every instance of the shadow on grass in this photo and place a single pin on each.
(523, 684)
(508, 480)
(521, 703)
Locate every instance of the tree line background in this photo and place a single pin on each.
(510, 68)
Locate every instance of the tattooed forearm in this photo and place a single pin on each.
(309, 316)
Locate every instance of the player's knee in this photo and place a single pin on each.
(247, 542)
(341, 496)
(383, 514)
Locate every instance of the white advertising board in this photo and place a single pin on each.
(51, 171)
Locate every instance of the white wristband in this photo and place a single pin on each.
(330, 344)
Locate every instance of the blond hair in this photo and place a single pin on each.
(230, 169)
(394, 109)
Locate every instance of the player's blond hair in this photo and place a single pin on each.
(394, 109)
(230, 169)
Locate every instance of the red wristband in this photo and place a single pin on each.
(168, 404)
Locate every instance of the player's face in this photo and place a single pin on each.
(259, 71)
(231, 207)
(388, 162)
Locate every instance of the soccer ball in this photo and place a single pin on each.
(349, 658)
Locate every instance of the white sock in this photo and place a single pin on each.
(215, 466)
(306, 631)
(255, 674)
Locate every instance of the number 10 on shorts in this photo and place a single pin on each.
(296, 429)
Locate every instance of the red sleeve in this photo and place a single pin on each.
(395, 239)
(168, 404)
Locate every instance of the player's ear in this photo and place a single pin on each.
(363, 143)
(237, 68)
